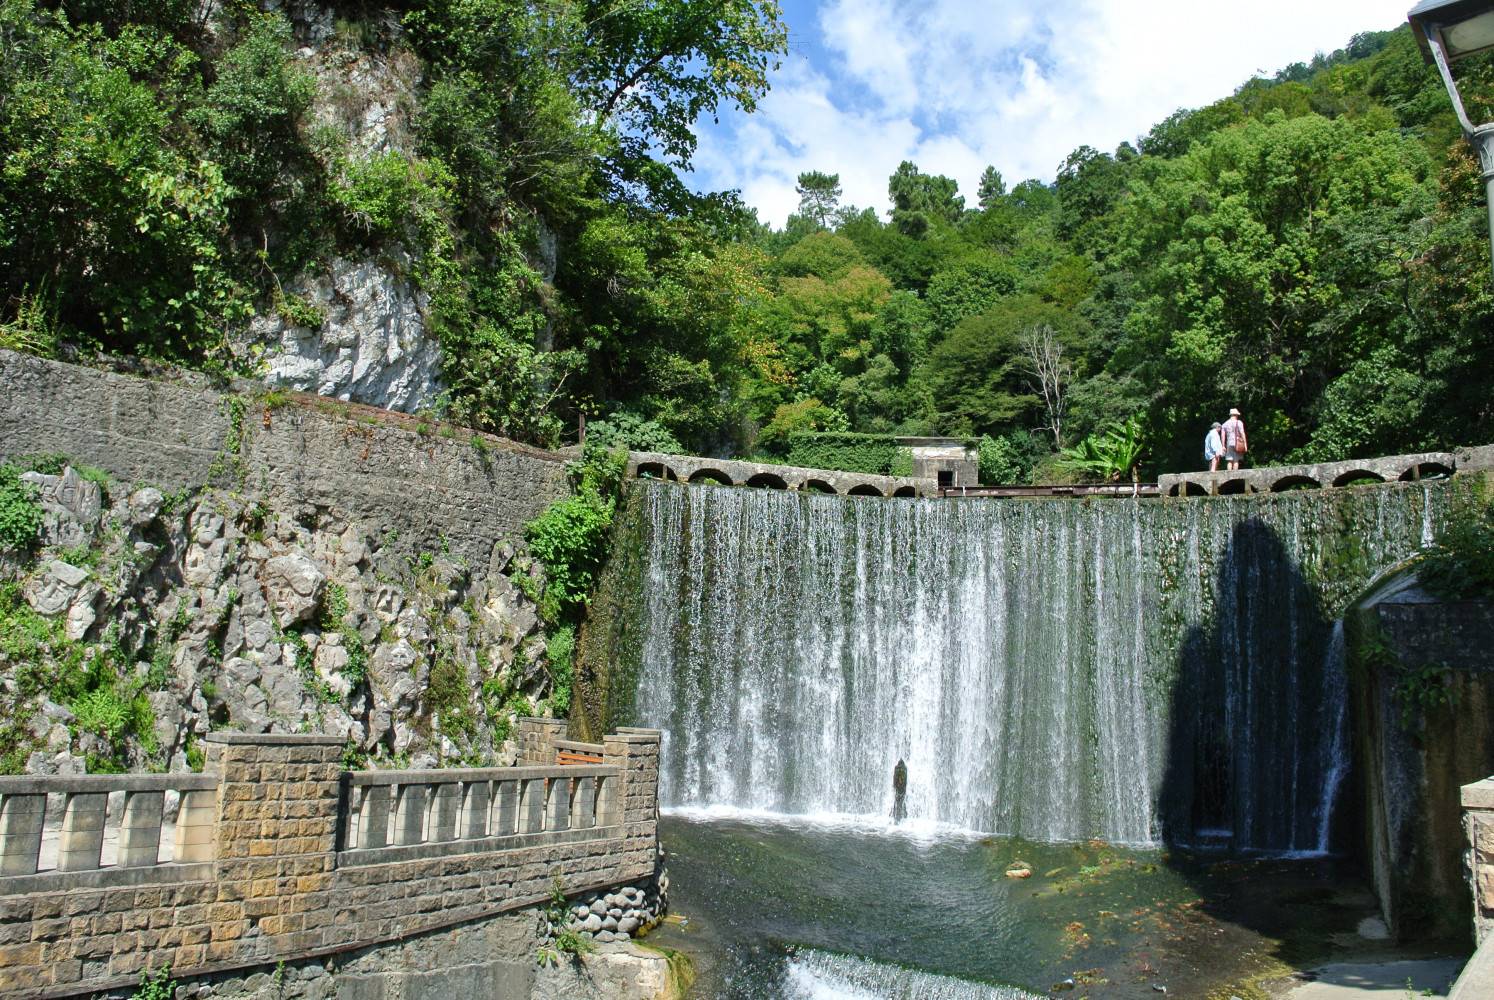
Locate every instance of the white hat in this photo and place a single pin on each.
(1234, 412)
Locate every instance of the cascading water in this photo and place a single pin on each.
(1133, 670)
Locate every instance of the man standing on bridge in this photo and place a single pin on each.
(1234, 440)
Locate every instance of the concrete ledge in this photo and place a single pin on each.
(46, 784)
(440, 776)
(1476, 981)
(145, 876)
(1479, 795)
(273, 739)
(362, 857)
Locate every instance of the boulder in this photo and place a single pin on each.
(294, 586)
(54, 587)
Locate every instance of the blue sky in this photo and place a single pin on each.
(954, 85)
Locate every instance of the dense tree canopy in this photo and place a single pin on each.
(1310, 249)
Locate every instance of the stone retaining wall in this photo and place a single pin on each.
(426, 484)
(279, 889)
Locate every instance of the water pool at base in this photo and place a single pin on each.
(784, 910)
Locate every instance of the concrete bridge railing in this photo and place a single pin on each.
(275, 853)
(1325, 475)
(694, 469)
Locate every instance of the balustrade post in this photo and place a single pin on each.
(558, 804)
(409, 815)
(606, 814)
(373, 817)
(81, 843)
(583, 803)
(195, 829)
(475, 806)
(532, 806)
(505, 808)
(140, 829)
(21, 819)
(444, 805)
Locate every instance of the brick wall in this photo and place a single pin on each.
(278, 889)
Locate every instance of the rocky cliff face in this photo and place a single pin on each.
(358, 329)
(220, 610)
(371, 345)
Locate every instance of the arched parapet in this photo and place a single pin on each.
(709, 474)
(1355, 475)
(864, 490)
(767, 481)
(1418, 471)
(1233, 486)
(1295, 481)
(656, 470)
(816, 485)
(905, 491)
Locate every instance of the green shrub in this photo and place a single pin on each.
(20, 514)
(560, 650)
(630, 431)
(873, 454)
(570, 537)
(1460, 562)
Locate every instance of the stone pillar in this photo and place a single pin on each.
(1478, 824)
(277, 794)
(635, 752)
(536, 738)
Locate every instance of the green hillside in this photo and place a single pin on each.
(1311, 248)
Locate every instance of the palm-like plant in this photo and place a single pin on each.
(1110, 456)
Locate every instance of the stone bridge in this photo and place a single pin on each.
(694, 469)
(1324, 475)
(275, 854)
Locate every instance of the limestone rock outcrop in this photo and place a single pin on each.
(222, 610)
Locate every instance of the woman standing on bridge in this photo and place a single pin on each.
(1234, 440)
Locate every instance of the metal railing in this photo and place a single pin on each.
(94, 821)
(411, 808)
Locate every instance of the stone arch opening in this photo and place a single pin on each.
(711, 476)
(1232, 487)
(656, 470)
(905, 491)
(818, 486)
(1191, 489)
(1426, 470)
(1295, 483)
(1356, 477)
(864, 490)
(767, 481)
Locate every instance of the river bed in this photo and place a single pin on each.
(779, 909)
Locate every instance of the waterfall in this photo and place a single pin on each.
(1136, 670)
(819, 975)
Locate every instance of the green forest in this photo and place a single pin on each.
(1311, 248)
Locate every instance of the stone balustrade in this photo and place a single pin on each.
(99, 829)
(1326, 475)
(276, 853)
(462, 811)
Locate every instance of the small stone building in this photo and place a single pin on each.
(948, 461)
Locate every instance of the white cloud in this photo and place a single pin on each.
(958, 84)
